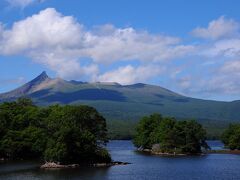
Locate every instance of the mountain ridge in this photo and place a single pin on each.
(116, 101)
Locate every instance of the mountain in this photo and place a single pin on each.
(123, 102)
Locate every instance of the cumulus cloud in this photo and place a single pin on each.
(22, 3)
(129, 74)
(220, 56)
(221, 81)
(227, 47)
(47, 38)
(48, 29)
(115, 44)
(60, 43)
(220, 28)
(226, 79)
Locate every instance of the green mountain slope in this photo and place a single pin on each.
(120, 102)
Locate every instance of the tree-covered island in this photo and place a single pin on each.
(60, 134)
(167, 136)
(231, 137)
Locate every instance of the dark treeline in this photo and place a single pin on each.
(170, 135)
(65, 134)
(121, 130)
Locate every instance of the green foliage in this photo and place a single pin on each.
(66, 134)
(145, 129)
(171, 135)
(231, 137)
(27, 143)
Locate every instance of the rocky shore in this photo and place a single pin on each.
(149, 151)
(221, 151)
(114, 163)
(53, 165)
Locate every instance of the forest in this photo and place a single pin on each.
(63, 134)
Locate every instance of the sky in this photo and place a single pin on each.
(190, 47)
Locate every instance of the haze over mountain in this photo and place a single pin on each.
(123, 102)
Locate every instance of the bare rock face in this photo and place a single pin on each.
(156, 147)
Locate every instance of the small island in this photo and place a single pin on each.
(59, 136)
(167, 136)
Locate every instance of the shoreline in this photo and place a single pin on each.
(166, 154)
(53, 165)
(221, 151)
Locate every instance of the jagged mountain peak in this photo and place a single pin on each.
(29, 87)
(40, 78)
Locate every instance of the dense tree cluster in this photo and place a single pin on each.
(172, 136)
(66, 134)
(231, 137)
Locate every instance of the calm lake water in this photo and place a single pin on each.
(213, 166)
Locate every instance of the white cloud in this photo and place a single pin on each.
(22, 3)
(65, 66)
(220, 28)
(60, 43)
(227, 79)
(48, 38)
(231, 67)
(226, 48)
(223, 80)
(48, 29)
(129, 74)
(114, 44)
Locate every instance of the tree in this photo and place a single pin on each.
(163, 134)
(171, 135)
(231, 137)
(144, 130)
(77, 134)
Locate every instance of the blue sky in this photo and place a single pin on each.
(191, 47)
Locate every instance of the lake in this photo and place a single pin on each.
(207, 167)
